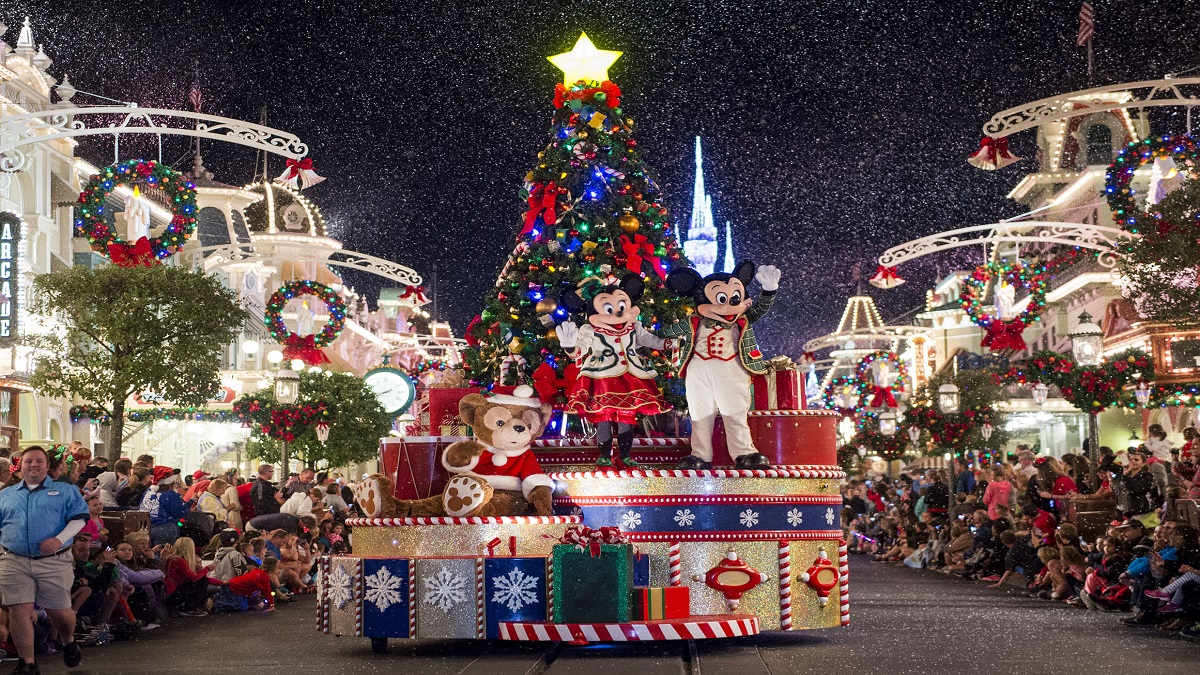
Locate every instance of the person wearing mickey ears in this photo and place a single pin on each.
(718, 355)
(614, 385)
(39, 519)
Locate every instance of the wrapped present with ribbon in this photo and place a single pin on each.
(593, 576)
(453, 426)
(779, 387)
(442, 402)
(652, 604)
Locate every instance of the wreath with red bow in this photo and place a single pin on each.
(881, 396)
(836, 387)
(308, 347)
(93, 219)
(1120, 194)
(1004, 334)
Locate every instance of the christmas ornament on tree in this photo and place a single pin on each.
(589, 207)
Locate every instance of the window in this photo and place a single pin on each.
(1099, 145)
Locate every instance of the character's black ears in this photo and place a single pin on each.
(744, 271)
(685, 281)
(573, 302)
(633, 285)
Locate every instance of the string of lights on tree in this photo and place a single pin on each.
(94, 218)
(591, 209)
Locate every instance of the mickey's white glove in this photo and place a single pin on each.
(568, 334)
(768, 277)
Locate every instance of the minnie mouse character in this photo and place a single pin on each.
(719, 353)
(614, 385)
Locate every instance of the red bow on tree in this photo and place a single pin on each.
(638, 251)
(881, 396)
(992, 154)
(303, 348)
(542, 202)
(885, 277)
(1004, 335)
(139, 254)
(549, 385)
(469, 333)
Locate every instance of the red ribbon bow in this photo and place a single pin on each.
(584, 537)
(417, 293)
(303, 348)
(1004, 335)
(639, 251)
(997, 148)
(138, 254)
(884, 272)
(542, 202)
(295, 166)
(883, 396)
(549, 385)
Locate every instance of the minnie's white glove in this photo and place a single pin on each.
(768, 277)
(568, 334)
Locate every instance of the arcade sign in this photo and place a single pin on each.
(10, 240)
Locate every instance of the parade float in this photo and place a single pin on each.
(505, 515)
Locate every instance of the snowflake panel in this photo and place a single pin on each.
(446, 598)
(385, 597)
(514, 590)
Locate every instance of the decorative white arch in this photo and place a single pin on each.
(1084, 235)
(17, 131)
(223, 255)
(1180, 91)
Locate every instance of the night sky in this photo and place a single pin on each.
(832, 130)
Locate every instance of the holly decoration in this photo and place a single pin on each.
(282, 423)
(94, 219)
(881, 395)
(1004, 333)
(1121, 196)
(307, 347)
(1091, 389)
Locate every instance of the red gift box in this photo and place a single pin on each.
(443, 403)
(777, 390)
(650, 604)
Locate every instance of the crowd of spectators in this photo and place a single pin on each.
(1009, 524)
(214, 544)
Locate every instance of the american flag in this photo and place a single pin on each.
(1087, 24)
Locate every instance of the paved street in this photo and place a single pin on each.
(902, 622)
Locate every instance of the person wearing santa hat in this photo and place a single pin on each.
(165, 505)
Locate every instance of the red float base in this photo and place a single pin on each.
(690, 628)
(786, 437)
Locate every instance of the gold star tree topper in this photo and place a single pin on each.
(584, 62)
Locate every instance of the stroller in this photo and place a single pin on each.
(199, 526)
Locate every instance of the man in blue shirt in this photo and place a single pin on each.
(39, 518)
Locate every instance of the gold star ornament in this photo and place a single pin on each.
(584, 62)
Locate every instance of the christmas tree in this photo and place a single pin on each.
(592, 210)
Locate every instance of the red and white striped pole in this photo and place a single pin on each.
(676, 564)
(844, 570)
(785, 585)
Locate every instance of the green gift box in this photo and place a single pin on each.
(591, 589)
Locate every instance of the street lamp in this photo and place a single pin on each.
(1141, 393)
(287, 391)
(986, 430)
(1040, 393)
(1134, 440)
(322, 429)
(1087, 346)
(862, 451)
(887, 423)
(948, 398)
(914, 434)
(274, 357)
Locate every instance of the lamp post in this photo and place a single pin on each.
(1087, 346)
(287, 391)
(948, 403)
(887, 423)
(1041, 393)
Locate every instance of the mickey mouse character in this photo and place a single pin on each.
(614, 385)
(719, 353)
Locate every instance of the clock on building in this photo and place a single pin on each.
(393, 388)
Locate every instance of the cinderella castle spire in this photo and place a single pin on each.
(701, 244)
(728, 264)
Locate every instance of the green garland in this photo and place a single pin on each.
(183, 415)
(93, 223)
(89, 412)
(1091, 389)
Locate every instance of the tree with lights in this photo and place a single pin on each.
(129, 330)
(1162, 267)
(592, 210)
(357, 422)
